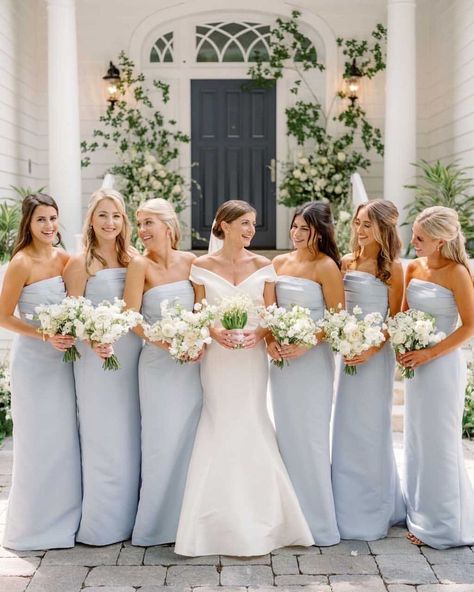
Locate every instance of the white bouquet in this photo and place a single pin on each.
(412, 330)
(65, 318)
(233, 313)
(349, 335)
(293, 326)
(107, 323)
(187, 332)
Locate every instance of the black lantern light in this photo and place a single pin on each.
(353, 82)
(112, 80)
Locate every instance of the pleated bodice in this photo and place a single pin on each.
(292, 291)
(366, 291)
(106, 284)
(435, 300)
(182, 292)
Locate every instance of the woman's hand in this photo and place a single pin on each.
(252, 337)
(60, 342)
(103, 350)
(292, 351)
(223, 337)
(363, 357)
(273, 349)
(413, 359)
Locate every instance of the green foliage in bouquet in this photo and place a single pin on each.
(6, 424)
(146, 144)
(447, 185)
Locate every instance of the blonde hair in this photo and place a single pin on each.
(89, 239)
(442, 223)
(228, 212)
(166, 213)
(384, 216)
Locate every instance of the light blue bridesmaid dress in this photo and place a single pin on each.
(439, 495)
(170, 400)
(109, 427)
(302, 394)
(366, 484)
(45, 499)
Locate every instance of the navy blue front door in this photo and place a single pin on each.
(233, 142)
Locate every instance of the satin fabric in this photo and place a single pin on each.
(366, 484)
(238, 499)
(109, 424)
(170, 400)
(439, 495)
(45, 498)
(302, 394)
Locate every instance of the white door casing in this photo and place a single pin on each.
(182, 20)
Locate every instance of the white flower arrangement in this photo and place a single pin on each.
(412, 330)
(233, 313)
(349, 335)
(186, 332)
(67, 317)
(106, 323)
(294, 326)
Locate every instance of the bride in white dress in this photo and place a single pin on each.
(238, 498)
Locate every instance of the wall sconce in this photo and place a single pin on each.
(353, 82)
(112, 80)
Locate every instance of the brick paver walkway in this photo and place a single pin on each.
(391, 564)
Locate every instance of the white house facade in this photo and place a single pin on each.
(54, 53)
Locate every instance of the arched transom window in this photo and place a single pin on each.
(232, 42)
(162, 50)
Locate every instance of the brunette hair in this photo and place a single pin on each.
(384, 216)
(28, 206)
(228, 212)
(89, 238)
(317, 214)
(440, 222)
(166, 213)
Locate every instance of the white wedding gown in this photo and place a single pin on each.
(238, 498)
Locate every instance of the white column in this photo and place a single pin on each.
(400, 104)
(64, 122)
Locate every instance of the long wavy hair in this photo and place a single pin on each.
(384, 217)
(89, 238)
(440, 222)
(28, 207)
(317, 214)
(166, 213)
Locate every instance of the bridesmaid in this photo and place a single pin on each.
(365, 480)
(45, 499)
(439, 495)
(108, 406)
(302, 392)
(170, 394)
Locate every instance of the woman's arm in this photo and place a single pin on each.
(395, 289)
(75, 275)
(332, 285)
(463, 290)
(134, 288)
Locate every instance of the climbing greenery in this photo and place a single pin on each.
(326, 137)
(145, 142)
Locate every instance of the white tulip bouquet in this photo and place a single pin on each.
(233, 313)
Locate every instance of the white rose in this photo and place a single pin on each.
(344, 216)
(338, 189)
(297, 173)
(341, 157)
(176, 190)
(303, 161)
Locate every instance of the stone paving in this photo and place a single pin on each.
(390, 565)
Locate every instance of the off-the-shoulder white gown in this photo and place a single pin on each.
(238, 498)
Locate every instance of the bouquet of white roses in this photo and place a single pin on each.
(65, 318)
(187, 332)
(293, 326)
(107, 323)
(412, 330)
(349, 335)
(233, 313)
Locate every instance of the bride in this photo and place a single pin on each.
(238, 498)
